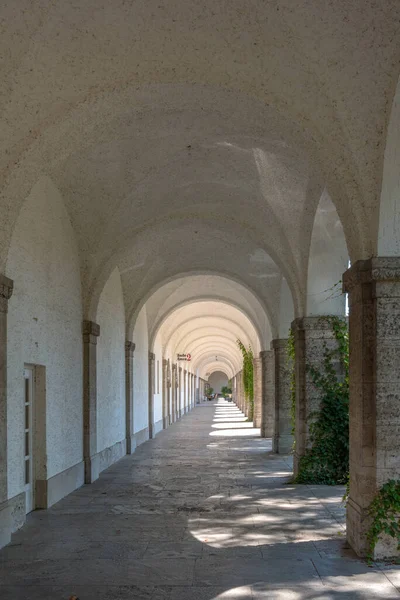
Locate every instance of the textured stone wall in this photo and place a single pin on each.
(374, 322)
(268, 393)
(311, 335)
(283, 438)
(258, 391)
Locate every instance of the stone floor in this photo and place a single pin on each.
(203, 512)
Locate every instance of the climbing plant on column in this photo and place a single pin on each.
(248, 356)
(327, 460)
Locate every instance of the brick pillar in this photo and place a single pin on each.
(152, 358)
(283, 437)
(257, 389)
(310, 335)
(91, 332)
(130, 438)
(268, 393)
(374, 327)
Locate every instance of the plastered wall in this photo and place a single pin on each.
(44, 328)
(111, 365)
(140, 372)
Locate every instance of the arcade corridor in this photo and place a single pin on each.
(201, 512)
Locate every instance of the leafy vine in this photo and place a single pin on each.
(327, 460)
(247, 354)
(385, 511)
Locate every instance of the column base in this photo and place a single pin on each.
(165, 422)
(50, 491)
(267, 431)
(141, 436)
(282, 444)
(157, 427)
(296, 463)
(130, 444)
(12, 517)
(92, 468)
(358, 523)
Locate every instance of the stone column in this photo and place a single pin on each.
(374, 332)
(152, 359)
(310, 336)
(130, 438)
(185, 391)
(6, 290)
(268, 393)
(173, 391)
(165, 393)
(257, 390)
(179, 404)
(239, 388)
(169, 388)
(283, 437)
(91, 332)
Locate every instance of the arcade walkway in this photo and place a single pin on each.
(203, 512)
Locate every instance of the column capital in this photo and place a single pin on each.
(279, 343)
(6, 290)
(382, 269)
(152, 356)
(317, 323)
(165, 363)
(90, 329)
(130, 347)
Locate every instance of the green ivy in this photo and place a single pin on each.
(226, 390)
(385, 511)
(327, 461)
(247, 354)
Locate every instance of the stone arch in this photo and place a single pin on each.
(328, 260)
(180, 275)
(148, 287)
(198, 300)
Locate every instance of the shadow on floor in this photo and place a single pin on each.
(194, 514)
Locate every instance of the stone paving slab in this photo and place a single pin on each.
(198, 513)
